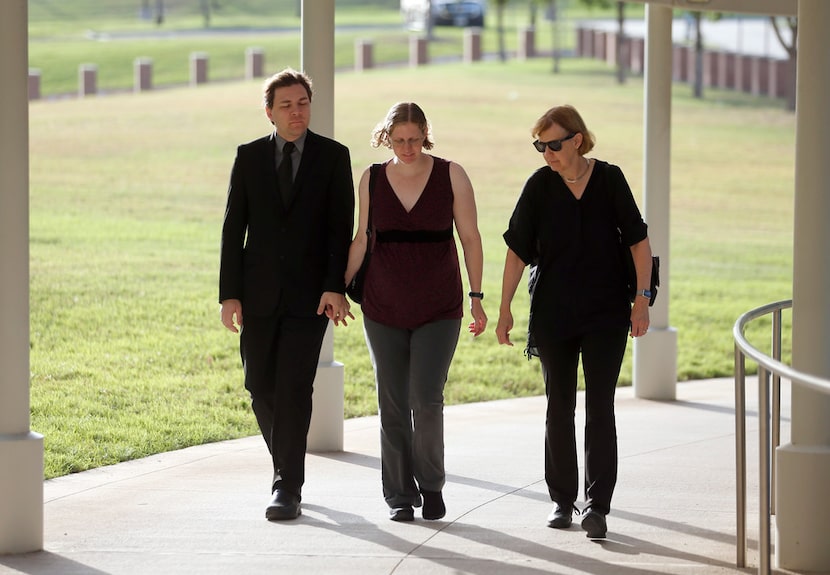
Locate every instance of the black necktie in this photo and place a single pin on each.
(285, 173)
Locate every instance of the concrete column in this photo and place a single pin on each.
(599, 45)
(803, 472)
(254, 63)
(472, 45)
(142, 74)
(527, 43)
(710, 68)
(655, 354)
(726, 70)
(317, 60)
(21, 450)
(680, 63)
(418, 55)
(638, 46)
(758, 76)
(34, 84)
(87, 80)
(198, 68)
(588, 43)
(611, 48)
(579, 50)
(741, 70)
(364, 51)
(776, 88)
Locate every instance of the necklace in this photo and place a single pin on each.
(580, 176)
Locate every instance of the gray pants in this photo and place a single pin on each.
(411, 369)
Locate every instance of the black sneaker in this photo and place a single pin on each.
(434, 507)
(593, 522)
(404, 513)
(561, 517)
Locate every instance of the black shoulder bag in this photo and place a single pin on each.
(631, 274)
(355, 288)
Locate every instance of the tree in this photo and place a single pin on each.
(205, 6)
(621, 44)
(500, 4)
(159, 12)
(792, 52)
(553, 13)
(697, 84)
(696, 19)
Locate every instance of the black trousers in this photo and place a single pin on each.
(280, 355)
(602, 354)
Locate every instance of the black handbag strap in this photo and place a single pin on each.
(373, 171)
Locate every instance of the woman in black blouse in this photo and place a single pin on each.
(571, 223)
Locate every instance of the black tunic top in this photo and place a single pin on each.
(577, 279)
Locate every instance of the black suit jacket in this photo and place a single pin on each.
(275, 255)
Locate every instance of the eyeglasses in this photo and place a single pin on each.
(555, 145)
(411, 142)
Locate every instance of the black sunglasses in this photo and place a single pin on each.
(555, 145)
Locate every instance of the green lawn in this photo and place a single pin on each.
(128, 356)
(111, 35)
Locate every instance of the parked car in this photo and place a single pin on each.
(461, 13)
(444, 13)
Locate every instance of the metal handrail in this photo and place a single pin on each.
(768, 422)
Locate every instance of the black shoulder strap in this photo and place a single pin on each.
(373, 171)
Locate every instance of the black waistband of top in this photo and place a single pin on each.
(414, 236)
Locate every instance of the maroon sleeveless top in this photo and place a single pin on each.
(413, 276)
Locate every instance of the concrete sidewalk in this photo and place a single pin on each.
(201, 510)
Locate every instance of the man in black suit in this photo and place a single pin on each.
(285, 241)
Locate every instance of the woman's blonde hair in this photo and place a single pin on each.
(569, 119)
(402, 113)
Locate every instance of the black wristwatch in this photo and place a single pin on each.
(478, 294)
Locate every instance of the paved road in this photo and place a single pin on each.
(754, 36)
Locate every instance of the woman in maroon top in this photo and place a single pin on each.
(569, 224)
(413, 302)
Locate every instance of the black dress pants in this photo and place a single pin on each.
(602, 354)
(280, 355)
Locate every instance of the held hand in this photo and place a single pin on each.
(639, 317)
(503, 328)
(231, 309)
(336, 308)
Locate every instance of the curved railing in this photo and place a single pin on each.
(769, 418)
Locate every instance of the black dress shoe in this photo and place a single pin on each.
(284, 505)
(405, 513)
(561, 517)
(434, 507)
(593, 522)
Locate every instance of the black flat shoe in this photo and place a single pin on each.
(283, 505)
(561, 517)
(593, 522)
(402, 513)
(434, 507)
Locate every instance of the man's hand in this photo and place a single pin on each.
(335, 306)
(231, 309)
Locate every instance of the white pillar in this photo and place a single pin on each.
(21, 450)
(317, 60)
(803, 471)
(655, 354)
